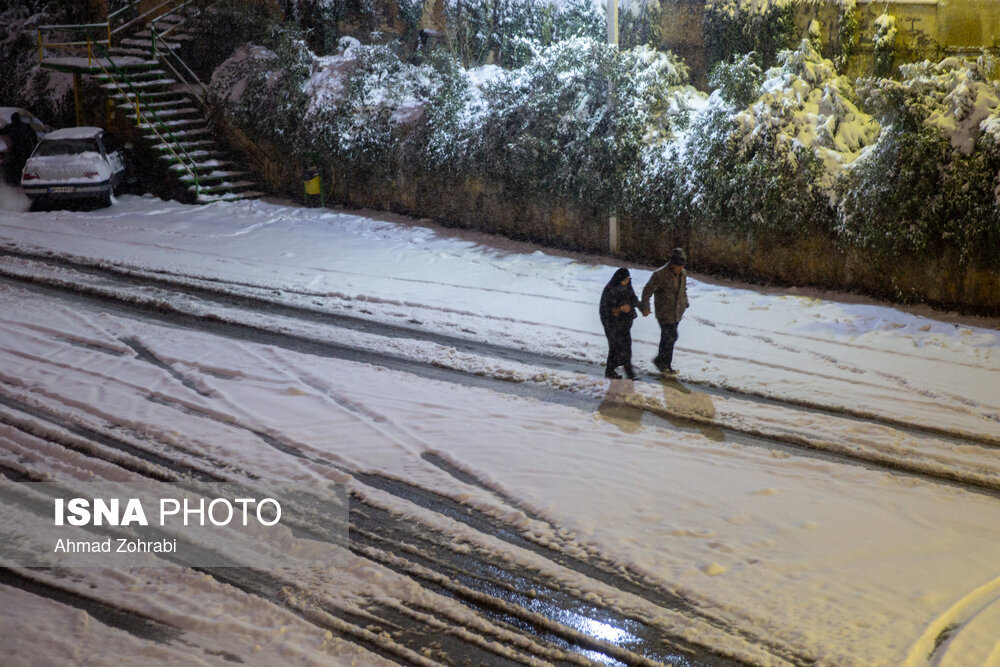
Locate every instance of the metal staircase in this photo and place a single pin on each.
(144, 78)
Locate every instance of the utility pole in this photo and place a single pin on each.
(613, 22)
(614, 242)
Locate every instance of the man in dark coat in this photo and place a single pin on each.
(618, 310)
(668, 285)
(22, 142)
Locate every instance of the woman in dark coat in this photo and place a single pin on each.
(618, 308)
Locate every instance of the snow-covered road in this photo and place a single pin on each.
(820, 485)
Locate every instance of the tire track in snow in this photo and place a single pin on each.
(89, 442)
(961, 403)
(328, 616)
(595, 567)
(134, 623)
(145, 354)
(258, 334)
(396, 525)
(157, 306)
(945, 632)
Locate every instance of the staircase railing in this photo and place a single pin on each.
(177, 66)
(116, 23)
(45, 34)
(141, 103)
(155, 12)
(113, 24)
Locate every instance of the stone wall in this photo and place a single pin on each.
(927, 29)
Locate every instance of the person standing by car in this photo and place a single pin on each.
(668, 285)
(22, 142)
(617, 310)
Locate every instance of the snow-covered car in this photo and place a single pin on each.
(6, 117)
(73, 163)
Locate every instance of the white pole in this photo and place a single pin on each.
(613, 22)
(614, 244)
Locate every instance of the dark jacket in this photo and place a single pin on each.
(22, 139)
(670, 292)
(614, 296)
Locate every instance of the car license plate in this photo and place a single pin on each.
(62, 188)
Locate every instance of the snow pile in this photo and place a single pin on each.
(12, 198)
(805, 103)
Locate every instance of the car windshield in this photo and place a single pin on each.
(68, 147)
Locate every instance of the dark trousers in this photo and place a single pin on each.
(668, 336)
(619, 349)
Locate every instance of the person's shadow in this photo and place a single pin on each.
(615, 410)
(680, 406)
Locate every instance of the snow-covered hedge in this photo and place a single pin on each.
(930, 183)
(549, 126)
(886, 166)
(509, 32)
(735, 27)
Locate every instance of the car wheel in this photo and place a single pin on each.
(106, 198)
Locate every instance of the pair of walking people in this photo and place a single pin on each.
(619, 305)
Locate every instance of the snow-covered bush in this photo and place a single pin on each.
(49, 95)
(361, 108)
(639, 23)
(261, 91)
(928, 183)
(806, 104)
(323, 22)
(733, 27)
(509, 32)
(383, 100)
(549, 127)
(222, 27)
(769, 169)
(738, 80)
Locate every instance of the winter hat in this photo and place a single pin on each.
(677, 257)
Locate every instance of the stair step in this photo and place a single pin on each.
(194, 153)
(134, 75)
(159, 112)
(233, 196)
(140, 85)
(223, 187)
(214, 176)
(182, 137)
(147, 43)
(187, 146)
(172, 19)
(205, 164)
(129, 63)
(149, 95)
(179, 37)
(125, 51)
(165, 104)
(150, 120)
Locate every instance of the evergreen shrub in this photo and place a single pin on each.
(734, 27)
